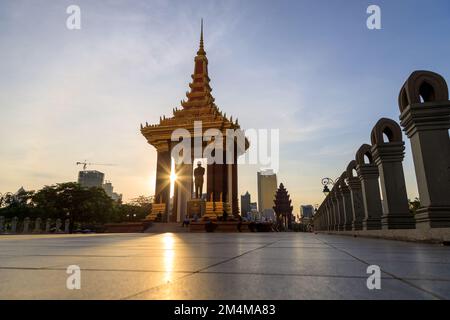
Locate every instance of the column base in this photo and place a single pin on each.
(357, 225)
(397, 221)
(372, 224)
(433, 217)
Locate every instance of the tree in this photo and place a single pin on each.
(17, 205)
(70, 200)
(414, 205)
(137, 209)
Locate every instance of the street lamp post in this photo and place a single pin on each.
(326, 182)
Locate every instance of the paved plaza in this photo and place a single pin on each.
(220, 266)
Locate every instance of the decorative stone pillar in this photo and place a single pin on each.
(37, 225)
(14, 224)
(58, 225)
(368, 174)
(388, 156)
(326, 214)
(354, 185)
(2, 224)
(346, 202)
(425, 118)
(48, 225)
(67, 226)
(163, 169)
(26, 225)
(330, 213)
(335, 208)
(340, 205)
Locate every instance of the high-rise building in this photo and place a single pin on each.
(91, 178)
(94, 178)
(267, 186)
(109, 189)
(306, 211)
(245, 204)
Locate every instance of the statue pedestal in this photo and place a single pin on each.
(196, 207)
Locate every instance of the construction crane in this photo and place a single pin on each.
(85, 164)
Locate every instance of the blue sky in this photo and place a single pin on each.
(310, 68)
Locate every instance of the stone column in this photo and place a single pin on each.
(329, 214)
(219, 182)
(37, 225)
(340, 204)
(47, 225)
(354, 185)
(346, 202)
(2, 224)
(163, 168)
(368, 174)
(58, 225)
(67, 226)
(388, 156)
(332, 213)
(210, 180)
(425, 117)
(14, 224)
(335, 206)
(26, 225)
(320, 220)
(326, 215)
(234, 195)
(184, 187)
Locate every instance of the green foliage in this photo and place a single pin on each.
(17, 205)
(137, 209)
(414, 205)
(63, 200)
(71, 200)
(83, 206)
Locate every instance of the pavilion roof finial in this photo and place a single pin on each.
(201, 50)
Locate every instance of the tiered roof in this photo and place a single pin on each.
(199, 106)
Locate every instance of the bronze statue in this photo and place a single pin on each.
(198, 179)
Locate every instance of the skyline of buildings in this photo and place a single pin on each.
(95, 178)
(312, 106)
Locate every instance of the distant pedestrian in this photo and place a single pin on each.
(186, 221)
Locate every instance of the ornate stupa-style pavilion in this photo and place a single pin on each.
(222, 179)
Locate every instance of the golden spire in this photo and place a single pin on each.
(201, 50)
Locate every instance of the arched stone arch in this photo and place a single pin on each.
(342, 179)
(422, 86)
(388, 127)
(364, 150)
(350, 167)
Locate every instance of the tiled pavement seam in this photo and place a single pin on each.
(201, 270)
(404, 280)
